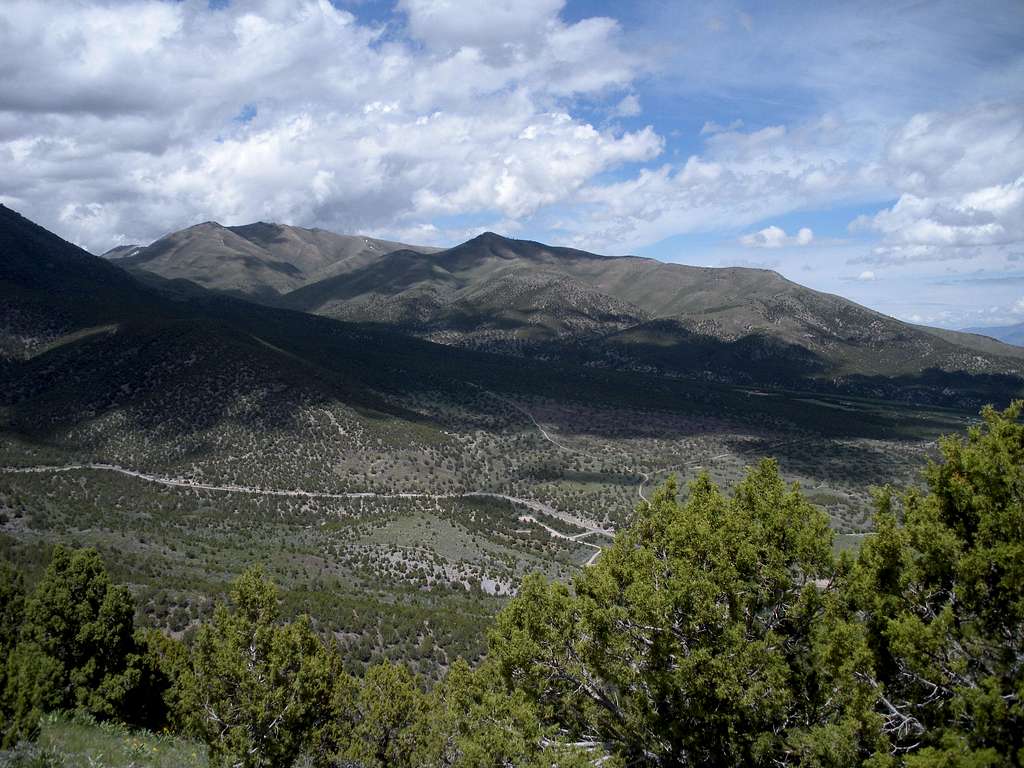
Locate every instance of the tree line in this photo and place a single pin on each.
(717, 630)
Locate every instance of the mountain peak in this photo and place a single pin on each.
(488, 236)
(259, 225)
(203, 226)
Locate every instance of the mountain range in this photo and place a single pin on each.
(96, 363)
(1008, 334)
(93, 354)
(527, 299)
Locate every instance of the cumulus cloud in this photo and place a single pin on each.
(961, 186)
(740, 179)
(119, 122)
(863, 143)
(776, 237)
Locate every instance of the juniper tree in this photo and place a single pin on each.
(387, 718)
(696, 638)
(76, 648)
(256, 687)
(940, 590)
(472, 722)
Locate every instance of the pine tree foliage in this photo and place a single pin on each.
(257, 686)
(12, 608)
(389, 713)
(473, 722)
(76, 649)
(940, 589)
(695, 639)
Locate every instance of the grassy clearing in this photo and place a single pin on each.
(80, 741)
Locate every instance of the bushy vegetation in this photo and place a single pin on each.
(419, 579)
(719, 629)
(71, 644)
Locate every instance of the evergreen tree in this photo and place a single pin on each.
(33, 688)
(694, 639)
(78, 618)
(388, 717)
(472, 722)
(166, 664)
(330, 737)
(257, 688)
(12, 609)
(941, 595)
(76, 647)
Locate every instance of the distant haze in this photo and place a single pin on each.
(1011, 334)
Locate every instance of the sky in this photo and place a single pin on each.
(874, 150)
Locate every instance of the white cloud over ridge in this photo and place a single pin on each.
(124, 119)
(740, 179)
(120, 122)
(961, 183)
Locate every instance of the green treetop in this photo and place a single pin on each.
(693, 640)
(257, 688)
(942, 596)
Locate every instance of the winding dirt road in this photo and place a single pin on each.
(179, 482)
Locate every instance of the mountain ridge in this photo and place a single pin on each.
(529, 299)
(460, 287)
(259, 260)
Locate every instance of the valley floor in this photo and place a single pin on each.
(404, 540)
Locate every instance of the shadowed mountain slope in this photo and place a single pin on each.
(93, 360)
(51, 288)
